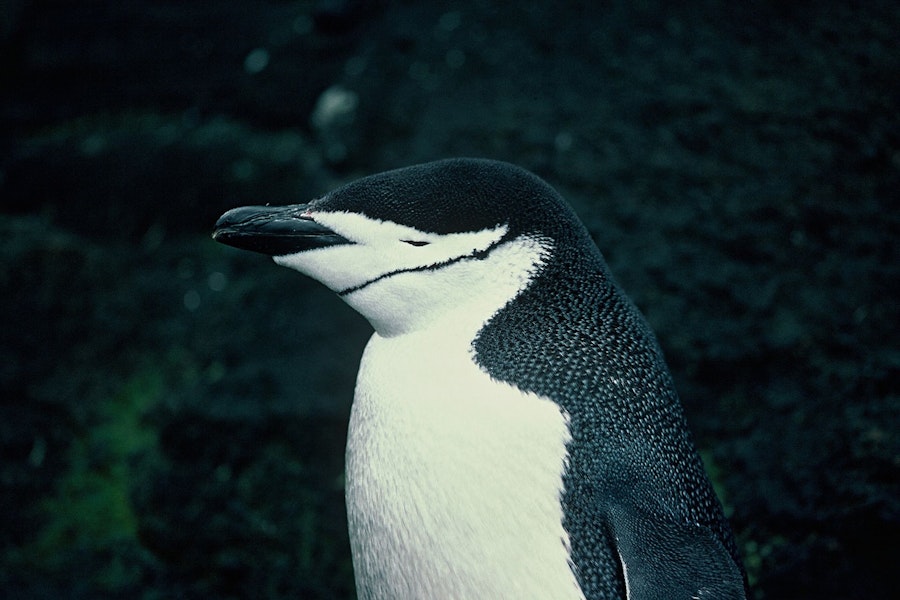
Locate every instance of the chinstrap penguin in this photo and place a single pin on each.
(515, 432)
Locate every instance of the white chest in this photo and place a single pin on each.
(453, 480)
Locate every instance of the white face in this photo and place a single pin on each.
(400, 278)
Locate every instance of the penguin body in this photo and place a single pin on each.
(515, 432)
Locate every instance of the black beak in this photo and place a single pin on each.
(274, 230)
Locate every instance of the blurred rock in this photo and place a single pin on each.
(334, 120)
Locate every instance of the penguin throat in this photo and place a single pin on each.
(464, 292)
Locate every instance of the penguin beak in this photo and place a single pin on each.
(274, 230)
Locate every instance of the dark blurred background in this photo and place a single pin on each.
(174, 411)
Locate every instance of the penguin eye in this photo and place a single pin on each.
(416, 243)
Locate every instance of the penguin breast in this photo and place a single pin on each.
(454, 479)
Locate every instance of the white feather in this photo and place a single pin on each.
(454, 479)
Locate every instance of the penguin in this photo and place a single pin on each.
(515, 432)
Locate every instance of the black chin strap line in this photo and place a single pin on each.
(475, 255)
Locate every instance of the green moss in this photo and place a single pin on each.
(91, 511)
(715, 477)
(756, 554)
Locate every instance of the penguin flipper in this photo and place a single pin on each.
(665, 560)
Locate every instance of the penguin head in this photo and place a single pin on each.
(408, 246)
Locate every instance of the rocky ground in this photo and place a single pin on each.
(173, 411)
